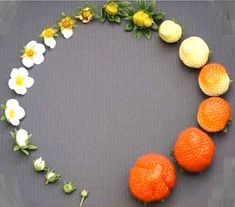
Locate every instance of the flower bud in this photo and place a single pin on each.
(69, 187)
(83, 194)
(51, 176)
(22, 138)
(39, 164)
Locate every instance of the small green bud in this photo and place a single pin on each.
(51, 176)
(39, 164)
(84, 193)
(69, 187)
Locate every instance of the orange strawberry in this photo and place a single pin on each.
(152, 177)
(213, 79)
(194, 150)
(214, 114)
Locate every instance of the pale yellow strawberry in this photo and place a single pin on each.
(194, 52)
(169, 31)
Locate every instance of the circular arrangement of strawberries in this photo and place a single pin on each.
(153, 176)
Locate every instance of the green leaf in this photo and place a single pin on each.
(117, 19)
(230, 82)
(148, 33)
(129, 27)
(31, 147)
(13, 134)
(16, 148)
(137, 33)
(25, 151)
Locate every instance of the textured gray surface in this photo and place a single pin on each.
(102, 98)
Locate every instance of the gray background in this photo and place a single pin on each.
(103, 98)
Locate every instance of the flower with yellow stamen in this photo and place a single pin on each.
(48, 35)
(13, 112)
(33, 54)
(85, 15)
(20, 81)
(66, 24)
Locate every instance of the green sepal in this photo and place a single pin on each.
(128, 18)
(154, 27)
(16, 148)
(31, 147)
(141, 4)
(25, 151)
(117, 19)
(13, 133)
(148, 33)
(3, 106)
(3, 118)
(137, 33)
(158, 16)
(123, 13)
(123, 4)
(151, 7)
(129, 27)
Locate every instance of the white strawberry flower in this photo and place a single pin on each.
(20, 80)
(14, 112)
(48, 35)
(33, 54)
(66, 25)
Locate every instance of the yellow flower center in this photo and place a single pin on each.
(19, 80)
(86, 13)
(66, 23)
(11, 113)
(49, 32)
(29, 52)
(111, 8)
(142, 19)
